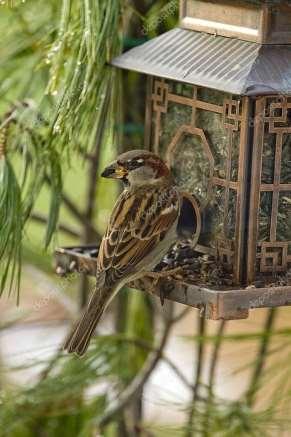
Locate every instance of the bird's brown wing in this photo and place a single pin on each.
(138, 223)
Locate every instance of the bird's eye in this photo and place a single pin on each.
(132, 164)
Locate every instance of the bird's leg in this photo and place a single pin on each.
(165, 273)
(153, 286)
(162, 274)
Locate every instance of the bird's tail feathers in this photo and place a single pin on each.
(79, 339)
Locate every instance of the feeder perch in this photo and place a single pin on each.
(218, 110)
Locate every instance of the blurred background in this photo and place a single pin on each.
(152, 370)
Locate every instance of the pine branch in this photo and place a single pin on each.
(167, 360)
(128, 395)
(197, 373)
(74, 210)
(213, 364)
(215, 354)
(41, 218)
(261, 357)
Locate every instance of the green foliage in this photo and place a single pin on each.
(54, 69)
(228, 419)
(139, 324)
(87, 40)
(56, 403)
(161, 15)
(60, 404)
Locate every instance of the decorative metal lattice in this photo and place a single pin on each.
(270, 214)
(201, 133)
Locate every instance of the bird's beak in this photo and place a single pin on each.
(114, 171)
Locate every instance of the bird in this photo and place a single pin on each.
(141, 230)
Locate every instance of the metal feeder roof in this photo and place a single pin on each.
(226, 64)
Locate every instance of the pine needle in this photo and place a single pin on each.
(10, 226)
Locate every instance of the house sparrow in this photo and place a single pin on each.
(141, 229)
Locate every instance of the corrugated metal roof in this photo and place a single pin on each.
(226, 64)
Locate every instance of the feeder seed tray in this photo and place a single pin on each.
(230, 304)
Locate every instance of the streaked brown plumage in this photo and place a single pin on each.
(141, 229)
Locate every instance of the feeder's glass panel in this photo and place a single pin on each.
(270, 251)
(198, 132)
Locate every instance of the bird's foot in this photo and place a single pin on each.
(161, 275)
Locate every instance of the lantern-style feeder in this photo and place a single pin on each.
(219, 111)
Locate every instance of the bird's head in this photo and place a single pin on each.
(138, 167)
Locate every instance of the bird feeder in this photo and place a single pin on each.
(218, 110)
